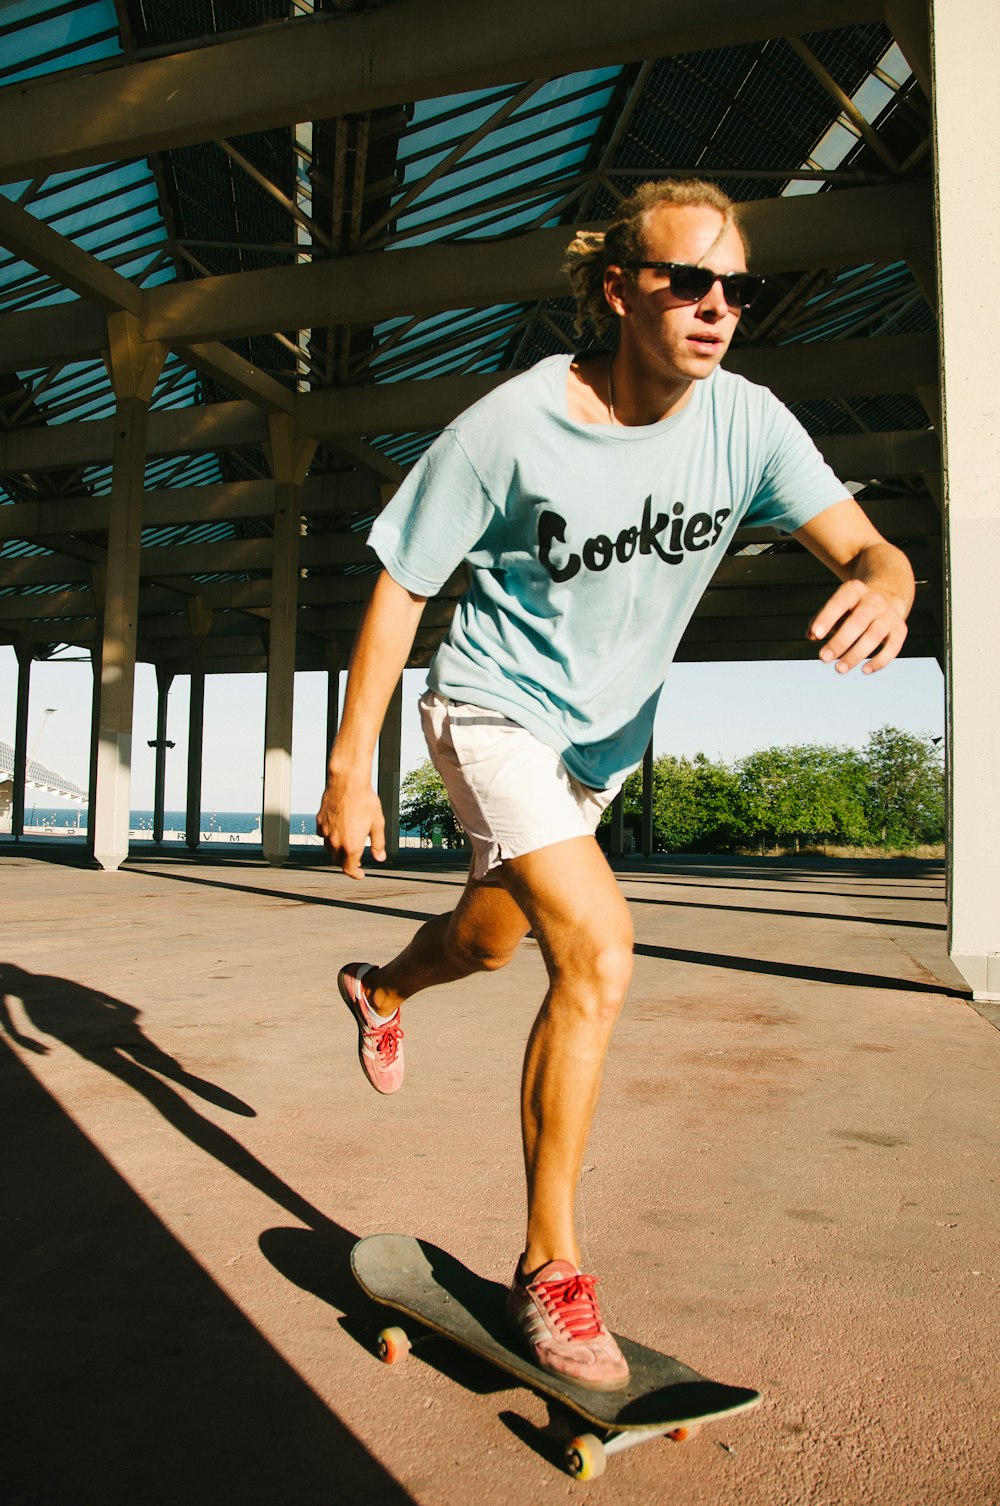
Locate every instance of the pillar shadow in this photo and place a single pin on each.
(841, 977)
(129, 1378)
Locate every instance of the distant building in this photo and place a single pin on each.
(37, 777)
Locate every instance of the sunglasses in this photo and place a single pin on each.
(692, 283)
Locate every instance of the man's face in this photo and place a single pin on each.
(673, 339)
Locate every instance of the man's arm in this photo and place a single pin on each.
(864, 621)
(350, 811)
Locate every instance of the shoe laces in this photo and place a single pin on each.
(387, 1038)
(571, 1303)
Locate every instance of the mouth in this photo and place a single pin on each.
(708, 344)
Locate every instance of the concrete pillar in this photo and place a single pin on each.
(291, 458)
(20, 740)
(98, 578)
(164, 679)
(389, 761)
(200, 622)
(647, 840)
(334, 664)
(965, 44)
(134, 367)
(196, 738)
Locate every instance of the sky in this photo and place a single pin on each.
(722, 710)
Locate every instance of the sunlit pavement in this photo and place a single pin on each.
(791, 1184)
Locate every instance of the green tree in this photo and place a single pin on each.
(904, 789)
(812, 791)
(423, 803)
(692, 804)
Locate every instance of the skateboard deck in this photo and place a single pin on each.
(663, 1396)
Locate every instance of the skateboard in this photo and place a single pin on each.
(663, 1398)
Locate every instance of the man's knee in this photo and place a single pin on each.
(597, 972)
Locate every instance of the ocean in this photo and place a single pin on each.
(49, 821)
(216, 826)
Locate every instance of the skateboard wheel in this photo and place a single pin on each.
(685, 1432)
(393, 1345)
(585, 1457)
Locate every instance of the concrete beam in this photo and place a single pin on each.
(339, 65)
(92, 279)
(30, 338)
(398, 407)
(840, 368)
(787, 234)
(844, 368)
(796, 568)
(732, 652)
(865, 457)
(52, 254)
(897, 520)
(339, 491)
(779, 628)
(178, 431)
(191, 559)
(797, 233)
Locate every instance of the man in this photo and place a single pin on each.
(593, 499)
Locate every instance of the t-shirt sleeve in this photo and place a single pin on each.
(796, 482)
(435, 519)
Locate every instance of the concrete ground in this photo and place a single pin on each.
(791, 1184)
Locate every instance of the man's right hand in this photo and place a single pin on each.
(350, 813)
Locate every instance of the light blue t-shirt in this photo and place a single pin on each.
(589, 547)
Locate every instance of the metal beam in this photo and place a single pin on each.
(339, 65)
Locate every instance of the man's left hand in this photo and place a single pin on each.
(860, 626)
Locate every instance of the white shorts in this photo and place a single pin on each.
(510, 793)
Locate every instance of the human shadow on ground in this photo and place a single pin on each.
(101, 1029)
(129, 1376)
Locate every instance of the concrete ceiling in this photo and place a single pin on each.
(369, 300)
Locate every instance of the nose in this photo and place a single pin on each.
(714, 304)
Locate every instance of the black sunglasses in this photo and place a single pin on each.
(738, 288)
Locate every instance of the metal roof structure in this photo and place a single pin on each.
(367, 273)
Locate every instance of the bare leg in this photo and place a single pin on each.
(583, 926)
(481, 934)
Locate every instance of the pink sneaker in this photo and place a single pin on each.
(557, 1313)
(380, 1042)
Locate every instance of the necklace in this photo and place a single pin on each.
(611, 393)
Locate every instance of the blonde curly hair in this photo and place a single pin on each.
(591, 252)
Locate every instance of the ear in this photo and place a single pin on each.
(616, 290)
